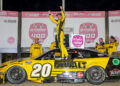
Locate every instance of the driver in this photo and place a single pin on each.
(59, 29)
(36, 49)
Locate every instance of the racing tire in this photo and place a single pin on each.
(95, 75)
(16, 75)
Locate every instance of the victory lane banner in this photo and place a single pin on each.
(9, 31)
(114, 25)
(77, 41)
(37, 24)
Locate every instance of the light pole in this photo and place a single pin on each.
(1, 4)
(1, 8)
(63, 5)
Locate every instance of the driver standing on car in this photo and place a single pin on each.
(36, 49)
(60, 33)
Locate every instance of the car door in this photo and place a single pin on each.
(91, 58)
(42, 66)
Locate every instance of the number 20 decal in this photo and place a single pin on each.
(39, 70)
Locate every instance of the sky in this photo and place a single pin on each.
(53, 5)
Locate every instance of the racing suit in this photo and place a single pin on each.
(100, 47)
(35, 50)
(53, 45)
(60, 33)
(111, 47)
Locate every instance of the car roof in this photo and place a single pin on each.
(87, 49)
(68, 49)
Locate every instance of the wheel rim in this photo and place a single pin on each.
(16, 74)
(95, 74)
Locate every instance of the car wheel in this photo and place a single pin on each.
(16, 75)
(95, 75)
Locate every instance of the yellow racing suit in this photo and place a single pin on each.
(111, 47)
(101, 48)
(60, 33)
(35, 50)
(53, 45)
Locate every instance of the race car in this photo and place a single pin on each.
(82, 65)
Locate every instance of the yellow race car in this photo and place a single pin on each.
(81, 65)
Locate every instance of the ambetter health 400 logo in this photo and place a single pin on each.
(38, 30)
(77, 41)
(90, 31)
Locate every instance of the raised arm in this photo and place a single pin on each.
(51, 17)
(63, 14)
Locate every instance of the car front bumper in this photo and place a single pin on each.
(2, 78)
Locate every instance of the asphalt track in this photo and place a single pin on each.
(29, 83)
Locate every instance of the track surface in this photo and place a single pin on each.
(29, 83)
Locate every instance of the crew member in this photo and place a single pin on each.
(112, 46)
(100, 47)
(36, 49)
(59, 29)
(53, 45)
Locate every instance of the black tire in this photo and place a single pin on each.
(95, 75)
(16, 75)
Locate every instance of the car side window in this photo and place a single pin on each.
(80, 55)
(57, 55)
(52, 55)
(46, 56)
(97, 54)
(75, 54)
(92, 54)
(89, 54)
(85, 54)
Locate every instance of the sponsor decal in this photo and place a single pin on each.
(77, 40)
(3, 13)
(79, 74)
(10, 21)
(115, 20)
(28, 62)
(90, 31)
(41, 70)
(94, 14)
(11, 40)
(62, 64)
(38, 30)
(37, 14)
(115, 72)
(116, 62)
